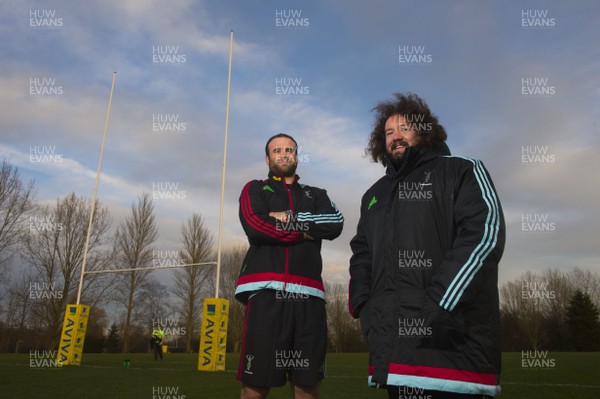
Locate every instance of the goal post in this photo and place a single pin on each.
(213, 335)
(72, 337)
(213, 331)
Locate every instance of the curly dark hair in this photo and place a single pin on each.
(417, 113)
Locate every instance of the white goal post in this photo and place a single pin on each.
(150, 268)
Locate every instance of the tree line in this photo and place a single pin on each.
(551, 310)
(41, 252)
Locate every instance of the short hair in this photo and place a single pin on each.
(434, 135)
(278, 135)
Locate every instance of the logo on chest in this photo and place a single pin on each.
(416, 191)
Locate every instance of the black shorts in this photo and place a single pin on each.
(285, 337)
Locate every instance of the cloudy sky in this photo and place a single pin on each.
(515, 83)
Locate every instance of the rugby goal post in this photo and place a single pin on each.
(213, 332)
(213, 336)
(72, 337)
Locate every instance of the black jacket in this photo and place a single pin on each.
(424, 274)
(279, 256)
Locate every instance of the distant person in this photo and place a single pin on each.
(158, 336)
(285, 334)
(424, 266)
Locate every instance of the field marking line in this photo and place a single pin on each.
(549, 385)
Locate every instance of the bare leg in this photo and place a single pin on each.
(300, 392)
(250, 392)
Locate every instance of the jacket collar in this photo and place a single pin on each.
(280, 180)
(414, 156)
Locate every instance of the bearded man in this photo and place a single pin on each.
(285, 332)
(424, 269)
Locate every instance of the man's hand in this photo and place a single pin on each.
(308, 236)
(281, 216)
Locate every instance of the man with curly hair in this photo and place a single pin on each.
(424, 269)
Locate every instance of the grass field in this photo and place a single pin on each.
(574, 376)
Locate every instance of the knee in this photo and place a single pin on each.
(251, 392)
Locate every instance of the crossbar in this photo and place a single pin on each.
(150, 268)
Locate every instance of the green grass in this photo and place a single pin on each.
(574, 376)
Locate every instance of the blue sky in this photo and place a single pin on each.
(343, 60)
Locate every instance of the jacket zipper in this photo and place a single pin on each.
(287, 247)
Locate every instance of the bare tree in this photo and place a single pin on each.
(587, 282)
(189, 281)
(561, 290)
(15, 204)
(524, 299)
(134, 241)
(152, 304)
(54, 246)
(17, 312)
(344, 332)
(231, 263)
(153, 296)
(511, 297)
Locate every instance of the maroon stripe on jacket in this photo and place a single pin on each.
(290, 279)
(441, 373)
(260, 225)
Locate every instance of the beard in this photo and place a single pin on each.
(397, 159)
(287, 170)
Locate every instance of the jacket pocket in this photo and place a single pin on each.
(365, 320)
(445, 330)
